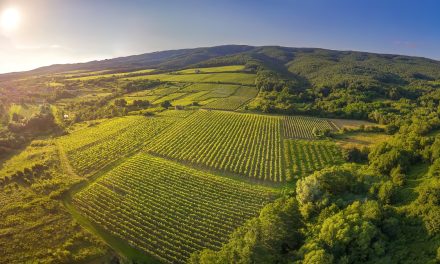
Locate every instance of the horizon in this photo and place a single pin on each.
(189, 48)
(47, 32)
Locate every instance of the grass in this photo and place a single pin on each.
(231, 68)
(25, 110)
(360, 139)
(56, 84)
(78, 73)
(190, 98)
(349, 123)
(85, 96)
(91, 76)
(150, 98)
(241, 96)
(35, 225)
(415, 177)
(421, 245)
(232, 78)
(170, 97)
(39, 151)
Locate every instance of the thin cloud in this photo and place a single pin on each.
(406, 44)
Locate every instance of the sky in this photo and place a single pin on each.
(45, 32)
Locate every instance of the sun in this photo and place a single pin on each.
(10, 19)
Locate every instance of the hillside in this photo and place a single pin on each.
(292, 80)
(228, 154)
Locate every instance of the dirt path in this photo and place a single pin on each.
(121, 247)
(64, 162)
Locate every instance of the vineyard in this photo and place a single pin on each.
(302, 157)
(242, 95)
(176, 113)
(244, 144)
(222, 77)
(167, 210)
(302, 127)
(90, 149)
(214, 90)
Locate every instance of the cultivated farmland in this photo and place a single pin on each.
(90, 149)
(302, 127)
(240, 97)
(233, 78)
(305, 156)
(244, 144)
(169, 210)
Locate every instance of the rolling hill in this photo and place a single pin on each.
(228, 154)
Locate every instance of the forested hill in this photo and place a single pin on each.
(309, 81)
(306, 62)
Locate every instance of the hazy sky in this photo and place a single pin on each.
(62, 31)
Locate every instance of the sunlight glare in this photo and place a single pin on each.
(10, 19)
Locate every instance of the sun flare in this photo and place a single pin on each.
(10, 19)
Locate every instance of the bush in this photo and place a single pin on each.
(165, 104)
(354, 154)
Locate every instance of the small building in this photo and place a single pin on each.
(197, 71)
(65, 116)
(178, 107)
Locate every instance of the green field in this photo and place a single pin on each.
(90, 149)
(215, 90)
(190, 98)
(79, 73)
(231, 68)
(168, 210)
(302, 127)
(233, 78)
(348, 123)
(149, 98)
(303, 157)
(170, 97)
(241, 96)
(245, 144)
(176, 113)
(98, 75)
(38, 152)
(35, 226)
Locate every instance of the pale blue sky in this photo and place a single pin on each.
(62, 31)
